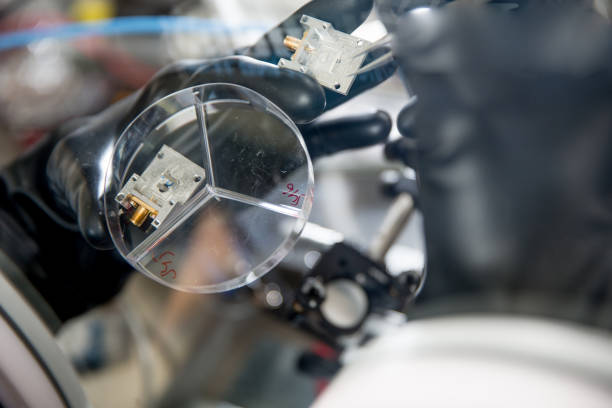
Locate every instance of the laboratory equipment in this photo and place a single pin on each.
(328, 55)
(208, 188)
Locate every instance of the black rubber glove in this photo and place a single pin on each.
(55, 192)
(514, 155)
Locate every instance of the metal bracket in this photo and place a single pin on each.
(168, 180)
(328, 55)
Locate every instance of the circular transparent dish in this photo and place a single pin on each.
(208, 188)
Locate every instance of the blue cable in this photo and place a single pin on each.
(121, 26)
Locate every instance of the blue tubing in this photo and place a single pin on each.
(121, 26)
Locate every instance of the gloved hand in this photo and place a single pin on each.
(57, 189)
(513, 153)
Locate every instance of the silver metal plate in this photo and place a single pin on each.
(170, 179)
(326, 54)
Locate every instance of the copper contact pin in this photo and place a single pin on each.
(141, 211)
(292, 43)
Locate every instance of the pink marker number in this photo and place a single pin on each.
(293, 194)
(166, 264)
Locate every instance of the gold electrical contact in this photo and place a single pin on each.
(292, 43)
(141, 211)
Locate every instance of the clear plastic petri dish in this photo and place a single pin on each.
(208, 188)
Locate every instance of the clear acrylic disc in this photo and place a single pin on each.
(208, 188)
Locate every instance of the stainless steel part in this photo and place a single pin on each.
(169, 179)
(378, 62)
(382, 43)
(397, 217)
(328, 55)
